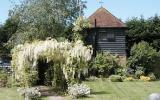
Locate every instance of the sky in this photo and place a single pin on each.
(122, 9)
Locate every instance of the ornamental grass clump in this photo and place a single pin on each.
(78, 90)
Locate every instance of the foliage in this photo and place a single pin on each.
(139, 72)
(80, 24)
(78, 90)
(143, 30)
(129, 72)
(79, 29)
(143, 55)
(105, 63)
(120, 71)
(29, 93)
(3, 78)
(39, 19)
(67, 59)
(152, 76)
(6, 31)
(115, 78)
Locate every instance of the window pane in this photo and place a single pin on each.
(103, 36)
(110, 37)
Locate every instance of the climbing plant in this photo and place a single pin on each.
(66, 59)
(80, 26)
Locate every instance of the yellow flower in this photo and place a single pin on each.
(145, 78)
(128, 79)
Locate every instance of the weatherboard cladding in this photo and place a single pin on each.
(107, 23)
(116, 47)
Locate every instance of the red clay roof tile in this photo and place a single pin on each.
(105, 19)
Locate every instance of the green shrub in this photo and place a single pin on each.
(115, 78)
(152, 76)
(142, 54)
(3, 78)
(120, 71)
(105, 64)
(139, 72)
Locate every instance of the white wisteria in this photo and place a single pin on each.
(67, 53)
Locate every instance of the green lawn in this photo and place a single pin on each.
(106, 90)
(103, 90)
(9, 94)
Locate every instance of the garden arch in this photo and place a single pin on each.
(66, 57)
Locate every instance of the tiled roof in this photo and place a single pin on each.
(105, 19)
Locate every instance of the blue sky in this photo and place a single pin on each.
(123, 9)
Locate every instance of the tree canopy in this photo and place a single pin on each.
(39, 19)
(144, 30)
(6, 32)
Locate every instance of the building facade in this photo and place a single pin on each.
(107, 33)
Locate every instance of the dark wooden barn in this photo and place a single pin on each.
(107, 33)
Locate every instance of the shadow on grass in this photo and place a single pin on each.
(100, 93)
(85, 97)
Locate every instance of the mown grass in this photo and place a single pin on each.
(9, 94)
(106, 90)
(103, 90)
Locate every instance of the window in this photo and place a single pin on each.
(103, 37)
(110, 37)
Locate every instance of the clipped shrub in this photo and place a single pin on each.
(115, 78)
(78, 90)
(145, 78)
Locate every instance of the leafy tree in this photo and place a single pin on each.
(144, 30)
(6, 31)
(43, 18)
